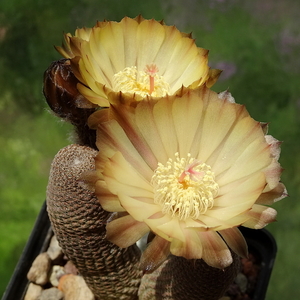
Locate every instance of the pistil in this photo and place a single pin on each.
(144, 83)
(151, 70)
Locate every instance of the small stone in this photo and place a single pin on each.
(33, 292)
(51, 294)
(55, 274)
(242, 281)
(70, 268)
(40, 268)
(74, 287)
(54, 251)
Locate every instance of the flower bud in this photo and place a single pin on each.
(60, 91)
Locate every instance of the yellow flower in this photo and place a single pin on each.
(135, 56)
(189, 168)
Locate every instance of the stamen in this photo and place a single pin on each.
(151, 70)
(184, 187)
(130, 80)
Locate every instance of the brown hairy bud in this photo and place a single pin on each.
(60, 91)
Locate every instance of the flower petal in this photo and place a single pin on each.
(215, 251)
(190, 248)
(125, 231)
(140, 210)
(245, 152)
(273, 172)
(108, 201)
(173, 229)
(260, 216)
(124, 174)
(246, 190)
(155, 254)
(235, 240)
(188, 123)
(219, 118)
(274, 195)
(155, 221)
(112, 138)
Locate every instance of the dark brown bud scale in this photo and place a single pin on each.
(60, 91)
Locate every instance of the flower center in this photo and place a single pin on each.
(144, 83)
(184, 187)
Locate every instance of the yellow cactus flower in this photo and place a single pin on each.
(137, 57)
(190, 168)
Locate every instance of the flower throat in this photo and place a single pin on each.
(146, 82)
(184, 187)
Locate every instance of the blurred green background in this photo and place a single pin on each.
(256, 43)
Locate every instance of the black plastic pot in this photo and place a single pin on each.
(37, 243)
(260, 242)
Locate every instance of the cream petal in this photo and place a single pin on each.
(213, 223)
(171, 44)
(260, 216)
(273, 172)
(215, 252)
(275, 146)
(274, 195)
(155, 254)
(213, 75)
(187, 113)
(130, 28)
(244, 138)
(226, 213)
(92, 96)
(149, 130)
(100, 116)
(83, 33)
(108, 201)
(254, 158)
(99, 54)
(173, 229)
(150, 36)
(125, 231)
(127, 123)
(225, 224)
(235, 240)
(191, 248)
(116, 187)
(111, 138)
(165, 124)
(154, 224)
(124, 173)
(190, 223)
(219, 119)
(90, 69)
(140, 210)
(245, 190)
(112, 47)
(195, 69)
(185, 52)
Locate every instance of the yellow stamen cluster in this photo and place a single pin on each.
(130, 80)
(184, 187)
